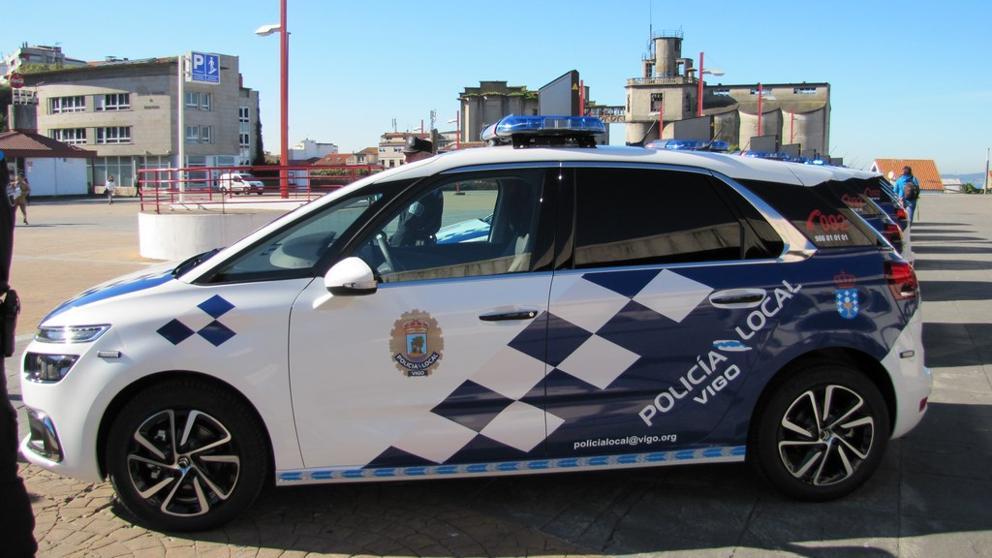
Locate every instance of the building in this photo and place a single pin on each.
(367, 156)
(310, 149)
(925, 171)
(35, 54)
(490, 101)
(127, 112)
(795, 116)
(51, 167)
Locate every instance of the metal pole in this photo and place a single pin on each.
(458, 129)
(283, 100)
(985, 186)
(181, 122)
(661, 115)
(699, 87)
(582, 98)
(760, 95)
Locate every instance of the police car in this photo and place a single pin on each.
(624, 307)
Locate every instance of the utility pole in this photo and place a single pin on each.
(985, 184)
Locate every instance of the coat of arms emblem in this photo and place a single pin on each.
(416, 344)
(846, 296)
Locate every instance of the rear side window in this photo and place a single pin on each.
(645, 217)
(818, 212)
(857, 194)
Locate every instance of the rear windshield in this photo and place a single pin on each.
(818, 212)
(861, 195)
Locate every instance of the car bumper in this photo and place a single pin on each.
(911, 379)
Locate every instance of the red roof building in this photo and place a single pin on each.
(22, 144)
(925, 171)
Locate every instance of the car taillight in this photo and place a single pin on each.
(893, 234)
(901, 213)
(902, 280)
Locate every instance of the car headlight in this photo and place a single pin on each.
(40, 367)
(70, 334)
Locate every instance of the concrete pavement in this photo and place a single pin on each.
(931, 496)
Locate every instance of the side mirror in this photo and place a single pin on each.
(350, 277)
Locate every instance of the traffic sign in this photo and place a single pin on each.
(204, 68)
(16, 80)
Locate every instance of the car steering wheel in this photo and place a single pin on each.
(383, 244)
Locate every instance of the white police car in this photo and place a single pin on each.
(623, 307)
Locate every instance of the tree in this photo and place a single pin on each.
(5, 100)
(259, 157)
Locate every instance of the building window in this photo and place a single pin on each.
(72, 136)
(192, 99)
(113, 134)
(243, 115)
(656, 101)
(804, 90)
(113, 101)
(205, 134)
(75, 103)
(244, 140)
(192, 134)
(204, 101)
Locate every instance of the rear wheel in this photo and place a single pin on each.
(822, 433)
(186, 456)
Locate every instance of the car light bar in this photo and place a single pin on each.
(521, 130)
(689, 145)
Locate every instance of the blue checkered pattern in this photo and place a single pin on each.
(498, 410)
(214, 332)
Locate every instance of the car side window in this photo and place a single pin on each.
(462, 227)
(645, 217)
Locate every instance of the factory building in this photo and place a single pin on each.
(793, 117)
(492, 100)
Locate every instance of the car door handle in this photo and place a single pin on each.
(509, 315)
(738, 298)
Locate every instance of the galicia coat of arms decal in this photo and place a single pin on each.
(416, 344)
(846, 296)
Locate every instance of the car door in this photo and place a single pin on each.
(658, 315)
(435, 367)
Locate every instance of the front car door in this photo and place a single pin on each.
(433, 371)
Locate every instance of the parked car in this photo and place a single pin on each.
(625, 308)
(239, 183)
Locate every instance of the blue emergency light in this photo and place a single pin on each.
(526, 131)
(689, 145)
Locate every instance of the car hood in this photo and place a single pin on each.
(138, 281)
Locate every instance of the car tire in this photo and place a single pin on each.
(217, 467)
(815, 456)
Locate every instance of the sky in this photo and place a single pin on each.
(909, 80)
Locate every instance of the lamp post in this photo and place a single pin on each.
(264, 31)
(699, 84)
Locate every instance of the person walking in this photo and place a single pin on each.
(907, 187)
(109, 188)
(21, 200)
(17, 524)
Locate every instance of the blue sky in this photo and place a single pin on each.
(910, 79)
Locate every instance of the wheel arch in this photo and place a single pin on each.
(857, 359)
(125, 395)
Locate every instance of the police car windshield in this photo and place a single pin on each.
(189, 263)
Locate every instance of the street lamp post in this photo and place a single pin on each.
(700, 84)
(264, 31)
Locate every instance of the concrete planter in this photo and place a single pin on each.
(176, 236)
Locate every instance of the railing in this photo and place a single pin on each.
(218, 188)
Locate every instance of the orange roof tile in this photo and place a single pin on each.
(925, 171)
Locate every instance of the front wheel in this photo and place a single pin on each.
(822, 433)
(186, 456)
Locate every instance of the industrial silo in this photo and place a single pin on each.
(771, 124)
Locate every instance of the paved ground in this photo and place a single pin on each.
(931, 497)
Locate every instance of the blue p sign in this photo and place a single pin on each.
(204, 68)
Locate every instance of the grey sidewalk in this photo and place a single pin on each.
(931, 497)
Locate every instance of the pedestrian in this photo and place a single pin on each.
(17, 524)
(907, 187)
(109, 188)
(21, 200)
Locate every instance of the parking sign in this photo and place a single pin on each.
(203, 68)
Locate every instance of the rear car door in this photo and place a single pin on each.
(658, 312)
(434, 368)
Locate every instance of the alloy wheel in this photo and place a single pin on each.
(825, 435)
(183, 462)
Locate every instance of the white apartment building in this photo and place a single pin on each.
(127, 110)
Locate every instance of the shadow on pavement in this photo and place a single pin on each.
(952, 250)
(942, 291)
(944, 475)
(951, 265)
(927, 230)
(934, 224)
(957, 344)
(916, 237)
